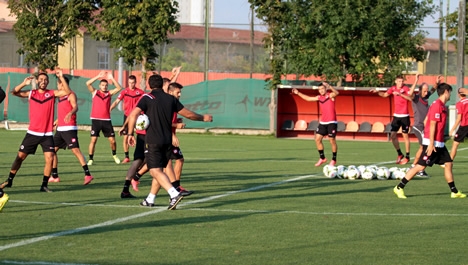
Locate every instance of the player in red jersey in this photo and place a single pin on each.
(130, 97)
(434, 149)
(66, 135)
(328, 122)
(100, 113)
(41, 124)
(401, 117)
(461, 123)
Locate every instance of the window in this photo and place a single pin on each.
(410, 67)
(103, 58)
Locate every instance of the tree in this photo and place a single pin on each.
(365, 39)
(452, 27)
(135, 27)
(44, 25)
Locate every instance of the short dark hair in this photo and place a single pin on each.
(132, 77)
(104, 81)
(442, 87)
(166, 80)
(175, 85)
(44, 74)
(155, 81)
(460, 93)
(399, 77)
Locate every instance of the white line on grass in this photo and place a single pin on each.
(124, 219)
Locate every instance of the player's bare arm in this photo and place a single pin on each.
(114, 104)
(333, 90)
(413, 87)
(303, 96)
(17, 90)
(439, 80)
(380, 93)
(132, 117)
(455, 125)
(65, 87)
(90, 82)
(117, 85)
(175, 74)
(195, 116)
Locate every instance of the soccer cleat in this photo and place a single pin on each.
(422, 174)
(442, 166)
(185, 192)
(404, 161)
(52, 179)
(45, 189)
(6, 184)
(332, 163)
(399, 192)
(321, 161)
(146, 203)
(457, 195)
(90, 162)
(116, 159)
(126, 195)
(3, 200)
(174, 201)
(399, 158)
(126, 160)
(87, 180)
(135, 185)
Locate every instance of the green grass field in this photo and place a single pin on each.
(258, 200)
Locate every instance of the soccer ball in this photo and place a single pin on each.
(340, 171)
(142, 122)
(333, 174)
(353, 173)
(383, 173)
(398, 174)
(367, 175)
(327, 170)
(392, 171)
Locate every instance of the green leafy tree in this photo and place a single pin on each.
(365, 39)
(44, 25)
(136, 27)
(452, 27)
(176, 57)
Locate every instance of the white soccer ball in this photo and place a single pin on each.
(340, 171)
(392, 170)
(142, 122)
(398, 174)
(333, 174)
(383, 173)
(367, 175)
(361, 168)
(353, 173)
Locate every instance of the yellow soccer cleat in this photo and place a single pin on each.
(116, 159)
(3, 201)
(457, 195)
(399, 192)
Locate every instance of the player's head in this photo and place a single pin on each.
(322, 89)
(399, 81)
(103, 84)
(59, 82)
(175, 89)
(132, 82)
(424, 90)
(460, 93)
(42, 81)
(444, 90)
(155, 82)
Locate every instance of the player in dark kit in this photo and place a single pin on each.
(160, 107)
(3, 196)
(41, 123)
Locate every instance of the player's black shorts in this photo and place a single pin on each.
(139, 152)
(125, 128)
(440, 156)
(176, 153)
(66, 139)
(419, 132)
(101, 125)
(403, 122)
(461, 134)
(30, 143)
(327, 129)
(157, 155)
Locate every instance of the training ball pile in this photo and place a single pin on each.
(142, 122)
(364, 172)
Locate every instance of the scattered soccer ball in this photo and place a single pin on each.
(367, 175)
(142, 122)
(353, 173)
(340, 171)
(327, 170)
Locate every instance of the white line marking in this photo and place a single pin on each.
(124, 219)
